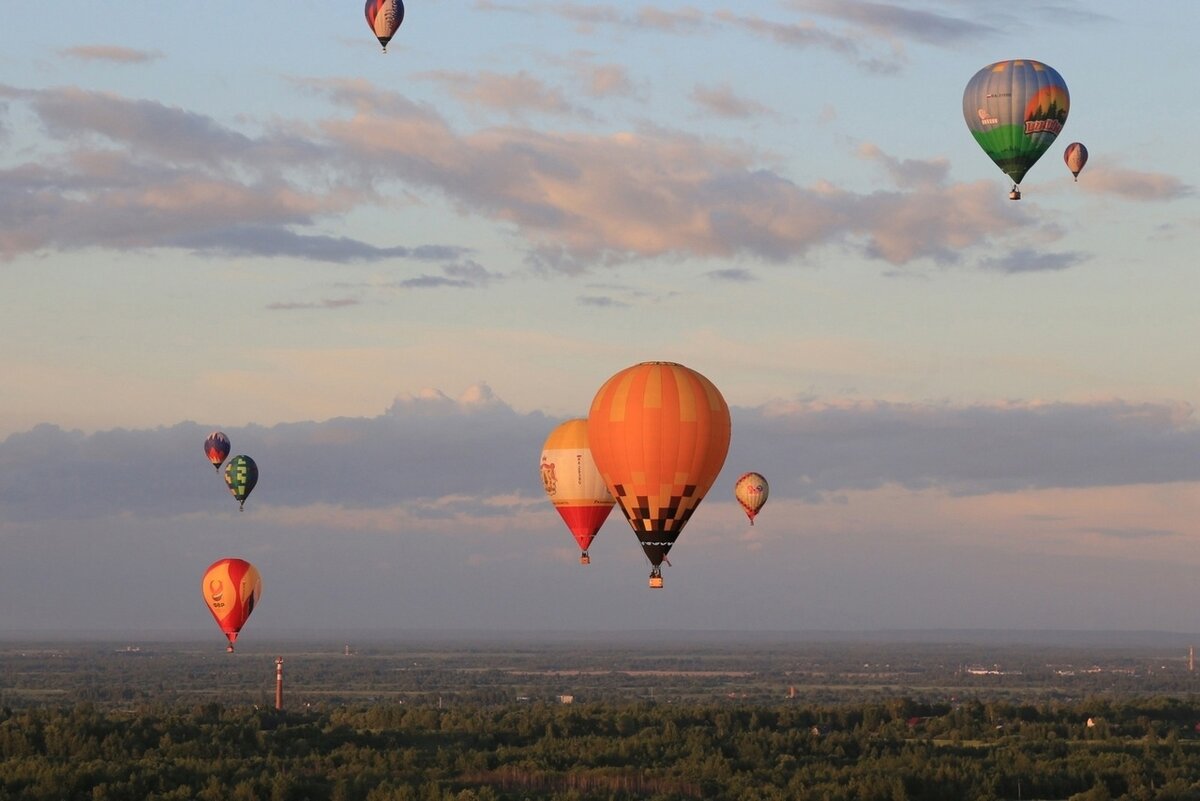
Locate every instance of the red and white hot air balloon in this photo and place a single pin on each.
(573, 483)
(751, 491)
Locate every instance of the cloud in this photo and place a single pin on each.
(113, 53)
(908, 172)
(247, 240)
(826, 448)
(427, 445)
(804, 35)
(168, 132)
(738, 275)
(602, 302)
(724, 102)
(430, 445)
(589, 16)
(869, 23)
(583, 198)
(1027, 260)
(57, 207)
(1134, 184)
(120, 173)
(586, 16)
(434, 507)
(606, 80)
(328, 303)
(891, 20)
(679, 20)
(136, 174)
(513, 94)
(467, 275)
(1054, 11)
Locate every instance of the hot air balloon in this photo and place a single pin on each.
(573, 483)
(1076, 157)
(659, 433)
(231, 589)
(1015, 110)
(216, 448)
(751, 491)
(384, 18)
(241, 474)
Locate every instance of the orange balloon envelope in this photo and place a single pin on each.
(573, 483)
(231, 589)
(751, 490)
(659, 433)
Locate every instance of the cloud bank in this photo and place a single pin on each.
(431, 446)
(431, 514)
(121, 173)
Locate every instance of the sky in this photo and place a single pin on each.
(387, 277)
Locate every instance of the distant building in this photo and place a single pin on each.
(566, 699)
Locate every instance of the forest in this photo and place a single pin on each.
(827, 722)
(899, 749)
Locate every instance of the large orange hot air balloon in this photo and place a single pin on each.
(573, 483)
(751, 491)
(659, 433)
(231, 589)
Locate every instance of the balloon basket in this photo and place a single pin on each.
(584, 559)
(656, 582)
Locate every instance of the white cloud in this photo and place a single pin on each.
(1133, 184)
(111, 53)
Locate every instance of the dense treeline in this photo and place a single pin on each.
(1098, 748)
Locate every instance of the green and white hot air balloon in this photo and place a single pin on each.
(1015, 110)
(241, 476)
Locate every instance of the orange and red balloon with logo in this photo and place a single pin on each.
(231, 588)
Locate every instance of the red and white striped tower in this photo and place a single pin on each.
(279, 682)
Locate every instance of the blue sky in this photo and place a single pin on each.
(387, 277)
